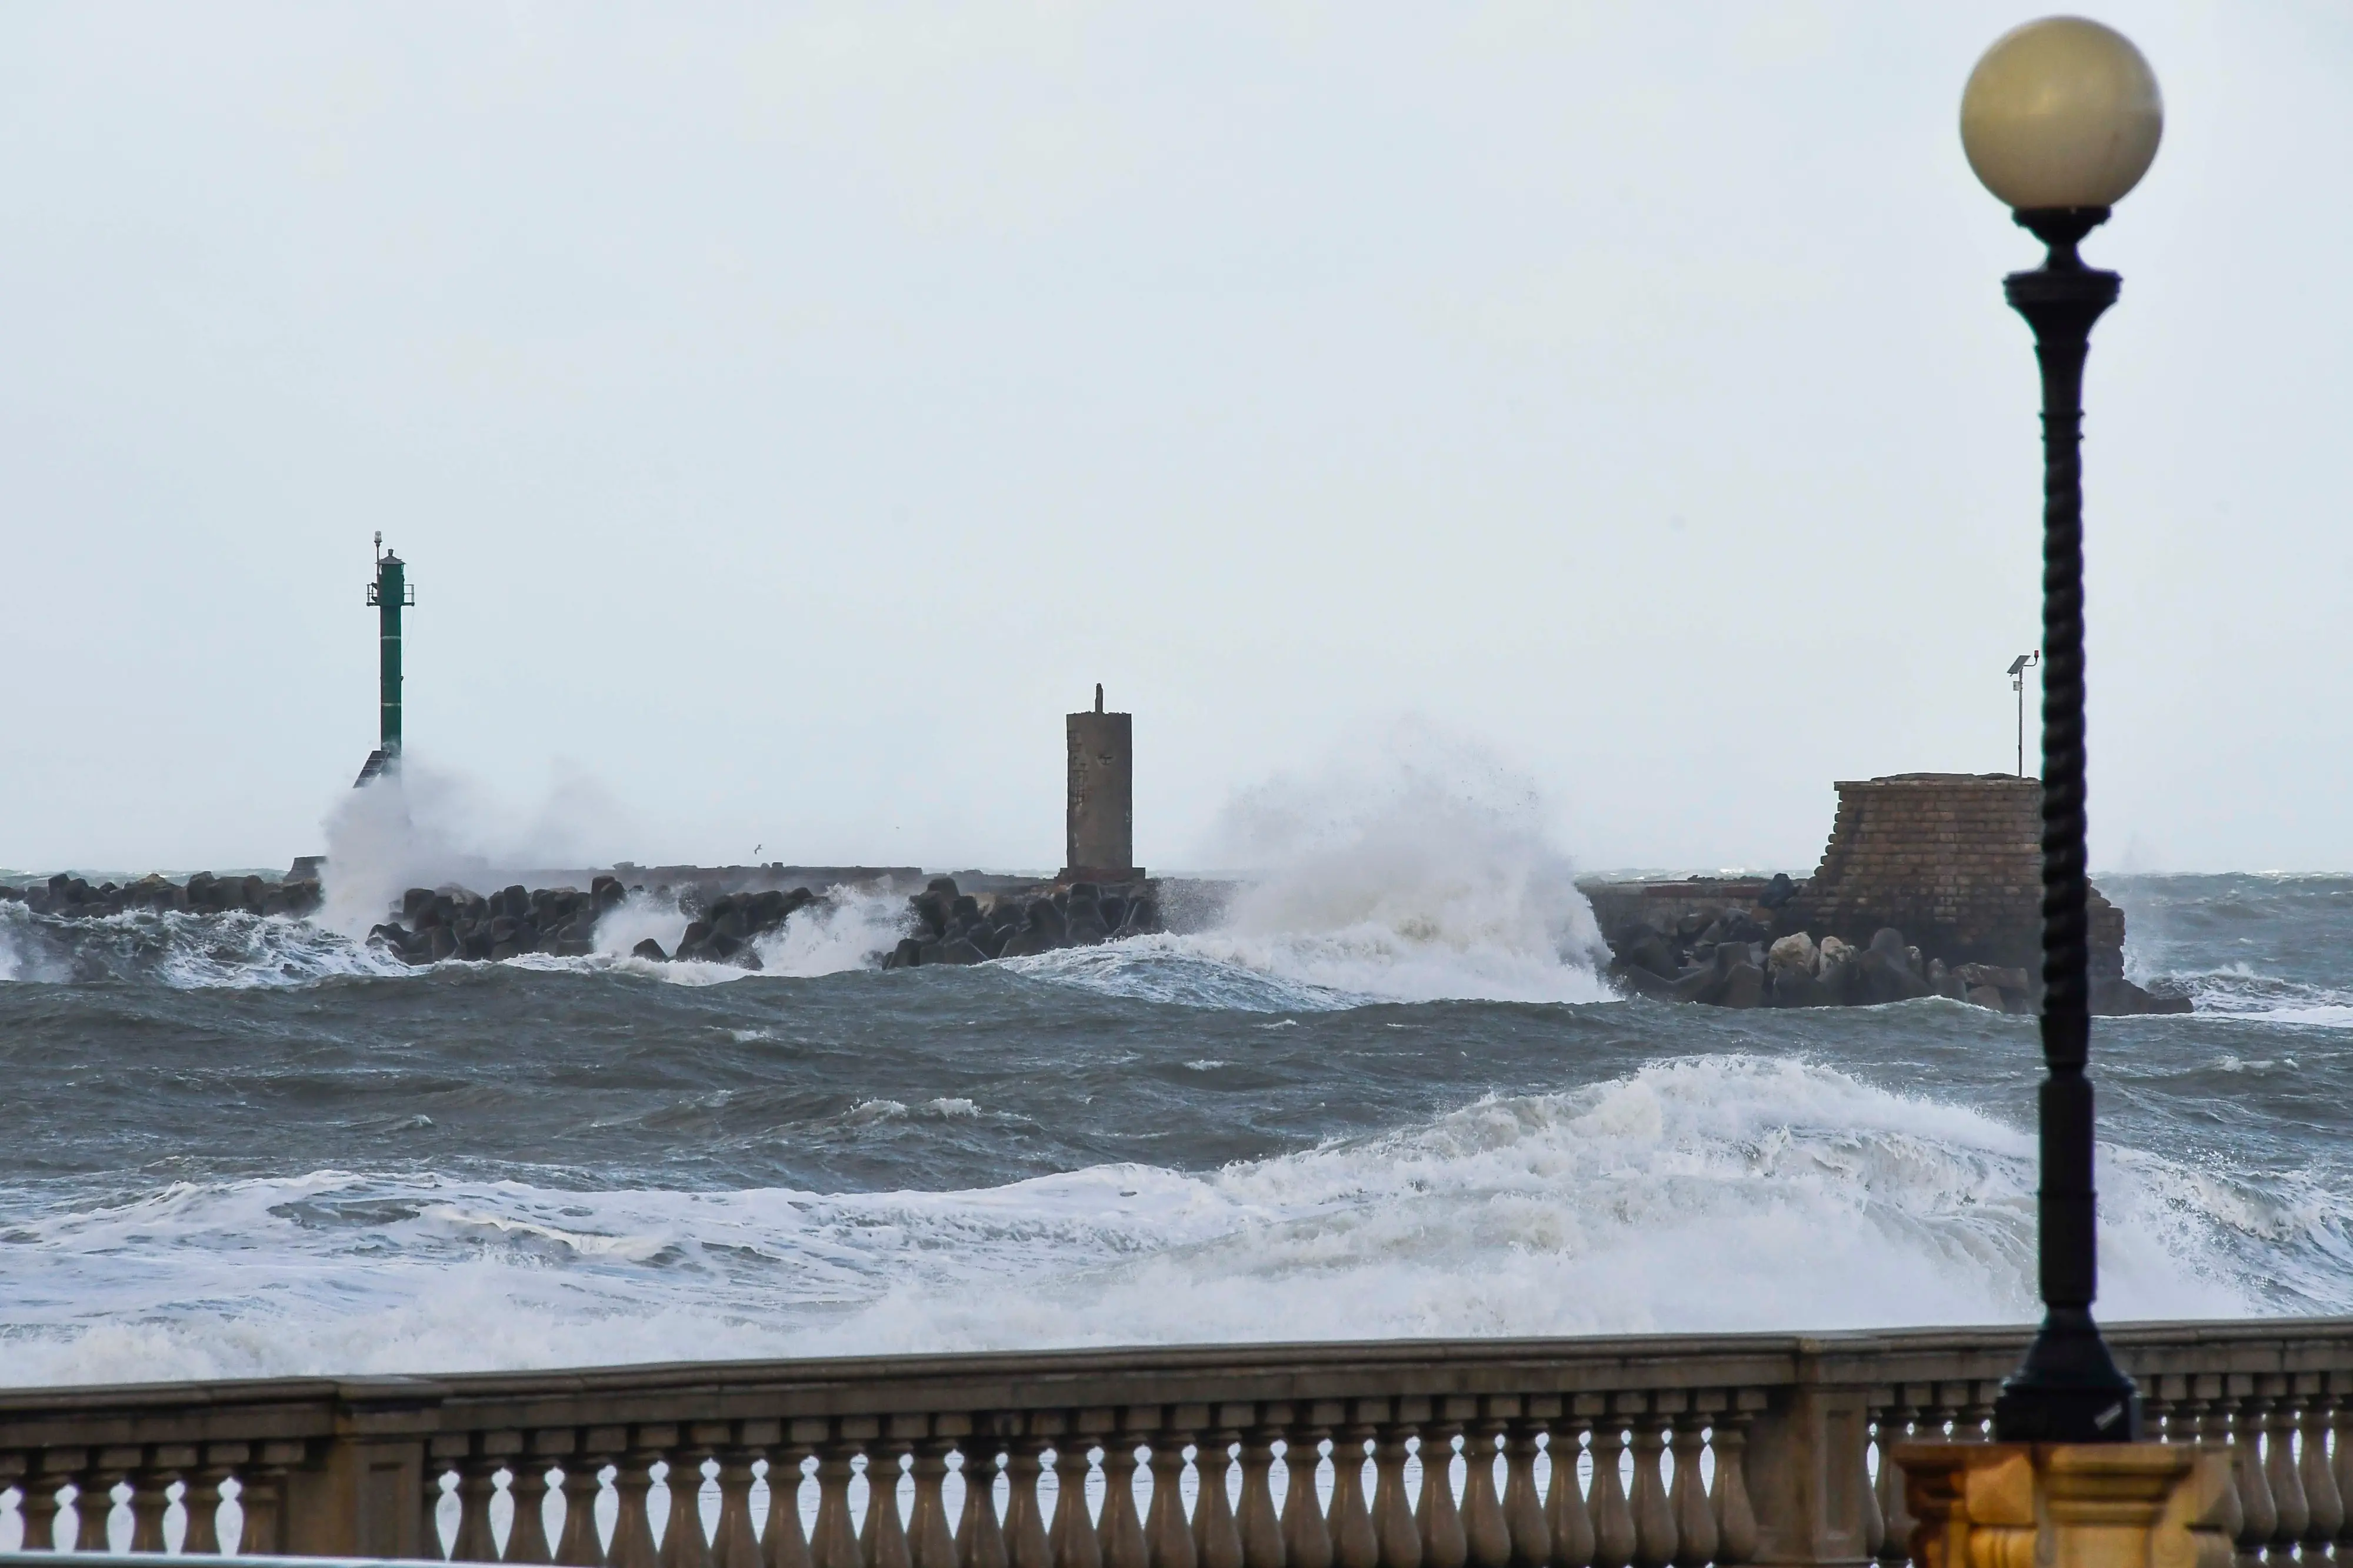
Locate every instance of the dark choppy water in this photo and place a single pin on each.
(237, 1146)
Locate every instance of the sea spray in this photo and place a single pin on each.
(423, 826)
(1410, 870)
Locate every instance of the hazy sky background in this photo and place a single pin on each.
(788, 415)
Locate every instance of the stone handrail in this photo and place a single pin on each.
(1692, 1449)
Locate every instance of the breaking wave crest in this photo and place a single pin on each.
(182, 951)
(1709, 1193)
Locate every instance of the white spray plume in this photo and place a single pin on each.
(1413, 866)
(424, 825)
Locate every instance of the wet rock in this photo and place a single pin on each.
(1742, 985)
(908, 954)
(1794, 954)
(1084, 916)
(1651, 953)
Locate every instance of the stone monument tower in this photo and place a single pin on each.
(1100, 827)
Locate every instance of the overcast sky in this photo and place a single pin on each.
(789, 415)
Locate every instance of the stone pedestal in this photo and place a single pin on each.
(2091, 1505)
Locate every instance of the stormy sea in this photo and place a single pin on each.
(1395, 1106)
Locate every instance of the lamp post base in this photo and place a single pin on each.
(2069, 1389)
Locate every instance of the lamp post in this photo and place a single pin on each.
(2061, 118)
(2017, 669)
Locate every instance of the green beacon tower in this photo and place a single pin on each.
(390, 593)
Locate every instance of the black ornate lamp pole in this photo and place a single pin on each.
(2060, 119)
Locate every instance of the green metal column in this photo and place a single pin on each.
(390, 593)
(391, 579)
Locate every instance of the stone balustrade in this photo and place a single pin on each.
(1651, 1452)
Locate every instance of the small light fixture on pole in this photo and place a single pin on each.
(2062, 118)
(2017, 669)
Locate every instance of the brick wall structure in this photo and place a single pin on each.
(1952, 861)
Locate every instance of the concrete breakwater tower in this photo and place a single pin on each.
(390, 592)
(1099, 821)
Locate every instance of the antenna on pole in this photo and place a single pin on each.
(2017, 669)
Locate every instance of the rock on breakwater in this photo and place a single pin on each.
(952, 927)
(69, 896)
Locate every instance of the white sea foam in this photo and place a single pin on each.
(1712, 1193)
(850, 929)
(186, 951)
(2239, 992)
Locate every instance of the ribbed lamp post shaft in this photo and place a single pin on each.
(2069, 1389)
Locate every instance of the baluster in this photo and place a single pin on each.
(203, 1501)
(1443, 1543)
(2340, 1460)
(1523, 1511)
(783, 1540)
(1895, 1426)
(36, 1504)
(1262, 1532)
(1354, 1543)
(2258, 1516)
(1654, 1526)
(1216, 1543)
(583, 1485)
(734, 1542)
(1024, 1523)
(2320, 1493)
(929, 1545)
(1074, 1541)
(527, 1487)
(1687, 1499)
(151, 1499)
(633, 1526)
(683, 1544)
(1613, 1522)
(1486, 1537)
(1873, 1513)
(980, 1539)
(1166, 1534)
(1736, 1520)
(1119, 1532)
(2293, 1512)
(478, 1483)
(834, 1542)
(94, 1506)
(1306, 1533)
(2209, 1429)
(1566, 1509)
(2161, 1409)
(882, 1537)
(93, 1509)
(1976, 1415)
(1393, 1526)
(885, 1542)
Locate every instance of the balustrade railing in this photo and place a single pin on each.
(1654, 1452)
